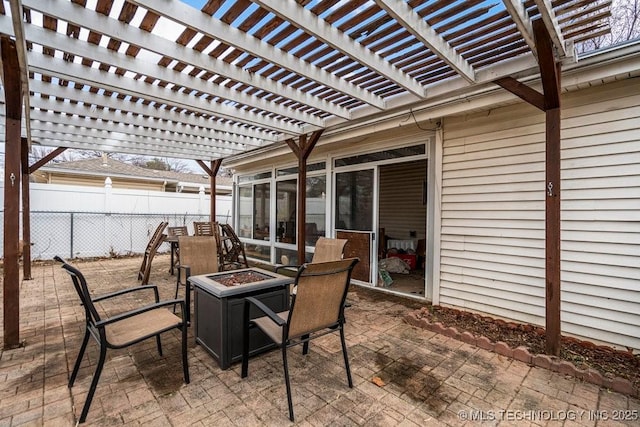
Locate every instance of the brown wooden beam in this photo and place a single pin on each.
(522, 91)
(26, 211)
(204, 167)
(550, 72)
(12, 174)
(215, 167)
(26, 201)
(548, 69)
(46, 159)
(212, 172)
(302, 150)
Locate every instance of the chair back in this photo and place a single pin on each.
(232, 246)
(320, 296)
(80, 284)
(328, 250)
(177, 231)
(157, 234)
(199, 253)
(205, 228)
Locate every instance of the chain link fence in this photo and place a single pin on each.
(85, 234)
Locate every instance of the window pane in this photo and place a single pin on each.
(261, 218)
(244, 212)
(354, 200)
(286, 211)
(316, 208)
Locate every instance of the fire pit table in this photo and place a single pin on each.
(219, 305)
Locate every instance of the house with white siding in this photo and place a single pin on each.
(459, 186)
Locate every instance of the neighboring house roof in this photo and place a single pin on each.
(114, 168)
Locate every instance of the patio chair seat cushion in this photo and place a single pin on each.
(270, 328)
(148, 323)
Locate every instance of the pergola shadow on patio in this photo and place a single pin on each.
(402, 375)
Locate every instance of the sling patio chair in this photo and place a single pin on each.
(316, 309)
(122, 329)
(326, 250)
(152, 247)
(198, 255)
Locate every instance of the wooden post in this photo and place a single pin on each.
(549, 102)
(302, 150)
(26, 212)
(26, 203)
(12, 178)
(212, 172)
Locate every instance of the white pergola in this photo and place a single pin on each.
(163, 78)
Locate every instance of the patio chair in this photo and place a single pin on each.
(231, 249)
(204, 228)
(172, 234)
(326, 250)
(154, 242)
(316, 309)
(198, 256)
(124, 329)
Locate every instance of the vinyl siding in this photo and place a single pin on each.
(492, 234)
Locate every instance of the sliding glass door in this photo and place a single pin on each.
(355, 201)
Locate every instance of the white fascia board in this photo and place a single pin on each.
(119, 128)
(523, 24)
(218, 30)
(103, 55)
(292, 12)
(83, 17)
(422, 31)
(551, 22)
(163, 118)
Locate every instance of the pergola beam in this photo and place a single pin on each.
(142, 115)
(422, 31)
(103, 55)
(201, 23)
(113, 28)
(523, 24)
(108, 126)
(46, 159)
(551, 23)
(109, 81)
(293, 12)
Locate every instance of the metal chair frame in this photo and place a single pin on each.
(151, 320)
(312, 320)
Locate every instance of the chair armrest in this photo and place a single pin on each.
(140, 310)
(187, 273)
(289, 267)
(128, 290)
(266, 310)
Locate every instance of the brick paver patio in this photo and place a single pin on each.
(402, 375)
